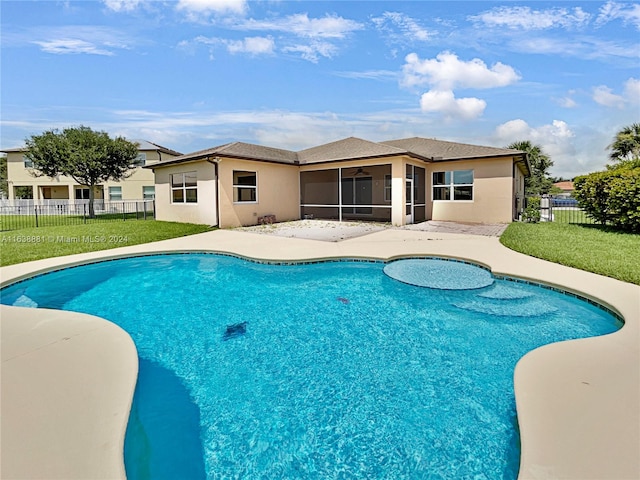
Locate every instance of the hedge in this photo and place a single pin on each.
(611, 197)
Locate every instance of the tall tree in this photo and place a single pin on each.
(87, 156)
(539, 182)
(626, 145)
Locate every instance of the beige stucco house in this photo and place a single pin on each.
(399, 181)
(24, 184)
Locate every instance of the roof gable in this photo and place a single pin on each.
(146, 145)
(347, 149)
(243, 150)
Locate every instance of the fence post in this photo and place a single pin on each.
(84, 212)
(35, 211)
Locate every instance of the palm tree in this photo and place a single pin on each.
(626, 144)
(539, 182)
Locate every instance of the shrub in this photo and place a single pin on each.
(611, 197)
(531, 213)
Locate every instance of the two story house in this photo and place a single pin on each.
(24, 184)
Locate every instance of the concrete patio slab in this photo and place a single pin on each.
(578, 402)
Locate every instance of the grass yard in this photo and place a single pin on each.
(587, 247)
(571, 216)
(36, 243)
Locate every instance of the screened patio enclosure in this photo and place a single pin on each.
(360, 193)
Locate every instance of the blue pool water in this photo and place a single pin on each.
(339, 371)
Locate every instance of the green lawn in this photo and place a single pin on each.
(571, 216)
(36, 243)
(588, 247)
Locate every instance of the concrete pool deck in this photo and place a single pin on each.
(67, 379)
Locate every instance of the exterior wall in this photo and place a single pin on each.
(493, 196)
(278, 193)
(132, 186)
(203, 211)
(495, 184)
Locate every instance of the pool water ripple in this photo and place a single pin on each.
(341, 372)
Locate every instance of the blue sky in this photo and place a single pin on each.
(193, 74)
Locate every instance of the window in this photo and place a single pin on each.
(387, 188)
(115, 193)
(140, 160)
(149, 193)
(184, 187)
(82, 194)
(245, 187)
(27, 162)
(455, 185)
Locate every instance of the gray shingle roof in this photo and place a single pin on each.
(239, 150)
(146, 145)
(348, 149)
(442, 150)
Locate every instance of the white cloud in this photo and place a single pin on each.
(524, 18)
(327, 27)
(603, 95)
(566, 102)
(196, 8)
(444, 101)
(628, 13)
(123, 5)
(632, 90)
(252, 45)
(409, 29)
(446, 72)
(313, 51)
(64, 46)
(381, 75)
(518, 129)
(556, 140)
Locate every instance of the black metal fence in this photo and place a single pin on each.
(563, 210)
(30, 215)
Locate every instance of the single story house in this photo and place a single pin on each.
(399, 181)
(25, 185)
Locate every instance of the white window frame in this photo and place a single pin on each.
(113, 196)
(236, 186)
(145, 195)
(27, 162)
(387, 188)
(452, 185)
(183, 188)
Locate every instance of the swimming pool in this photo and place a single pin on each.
(341, 371)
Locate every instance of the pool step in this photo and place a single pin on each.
(506, 303)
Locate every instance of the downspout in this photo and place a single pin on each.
(215, 163)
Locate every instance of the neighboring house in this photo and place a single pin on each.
(24, 184)
(399, 181)
(566, 187)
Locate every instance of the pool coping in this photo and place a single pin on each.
(577, 401)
